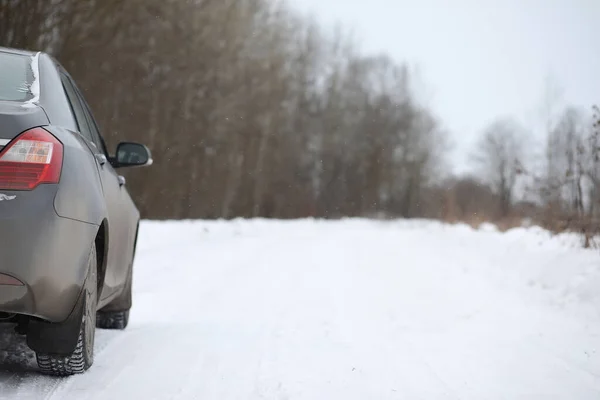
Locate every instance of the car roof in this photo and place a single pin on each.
(17, 51)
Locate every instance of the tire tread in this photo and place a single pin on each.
(59, 365)
(82, 357)
(112, 319)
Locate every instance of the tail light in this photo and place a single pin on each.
(34, 157)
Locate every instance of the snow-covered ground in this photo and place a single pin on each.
(353, 309)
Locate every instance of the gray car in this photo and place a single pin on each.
(68, 226)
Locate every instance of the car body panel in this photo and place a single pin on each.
(52, 97)
(15, 119)
(80, 194)
(44, 251)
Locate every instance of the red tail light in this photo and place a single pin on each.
(34, 157)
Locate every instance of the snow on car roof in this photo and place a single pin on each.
(34, 88)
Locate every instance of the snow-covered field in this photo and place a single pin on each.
(353, 309)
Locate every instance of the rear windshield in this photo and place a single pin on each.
(16, 77)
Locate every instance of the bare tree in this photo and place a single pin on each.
(592, 144)
(499, 155)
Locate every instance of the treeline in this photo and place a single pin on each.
(554, 179)
(250, 109)
(253, 110)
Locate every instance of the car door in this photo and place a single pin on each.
(112, 187)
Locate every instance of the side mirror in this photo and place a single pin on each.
(132, 155)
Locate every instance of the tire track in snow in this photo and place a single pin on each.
(22, 380)
(19, 377)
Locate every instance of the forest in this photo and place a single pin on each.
(252, 109)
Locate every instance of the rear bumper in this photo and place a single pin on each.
(46, 252)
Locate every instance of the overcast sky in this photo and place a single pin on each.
(481, 59)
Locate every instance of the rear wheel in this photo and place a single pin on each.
(116, 314)
(82, 357)
(112, 319)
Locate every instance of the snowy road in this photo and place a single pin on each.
(343, 310)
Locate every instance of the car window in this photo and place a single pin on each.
(16, 78)
(96, 137)
(76, 107)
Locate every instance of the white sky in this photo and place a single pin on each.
(481, 59)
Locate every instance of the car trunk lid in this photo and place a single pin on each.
(17, 117)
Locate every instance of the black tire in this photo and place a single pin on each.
(116, 314)
(112, 319)
(83, 357)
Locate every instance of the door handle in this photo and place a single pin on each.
(122, 180)
(101, 158)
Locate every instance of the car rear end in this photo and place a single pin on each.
(41, 253)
